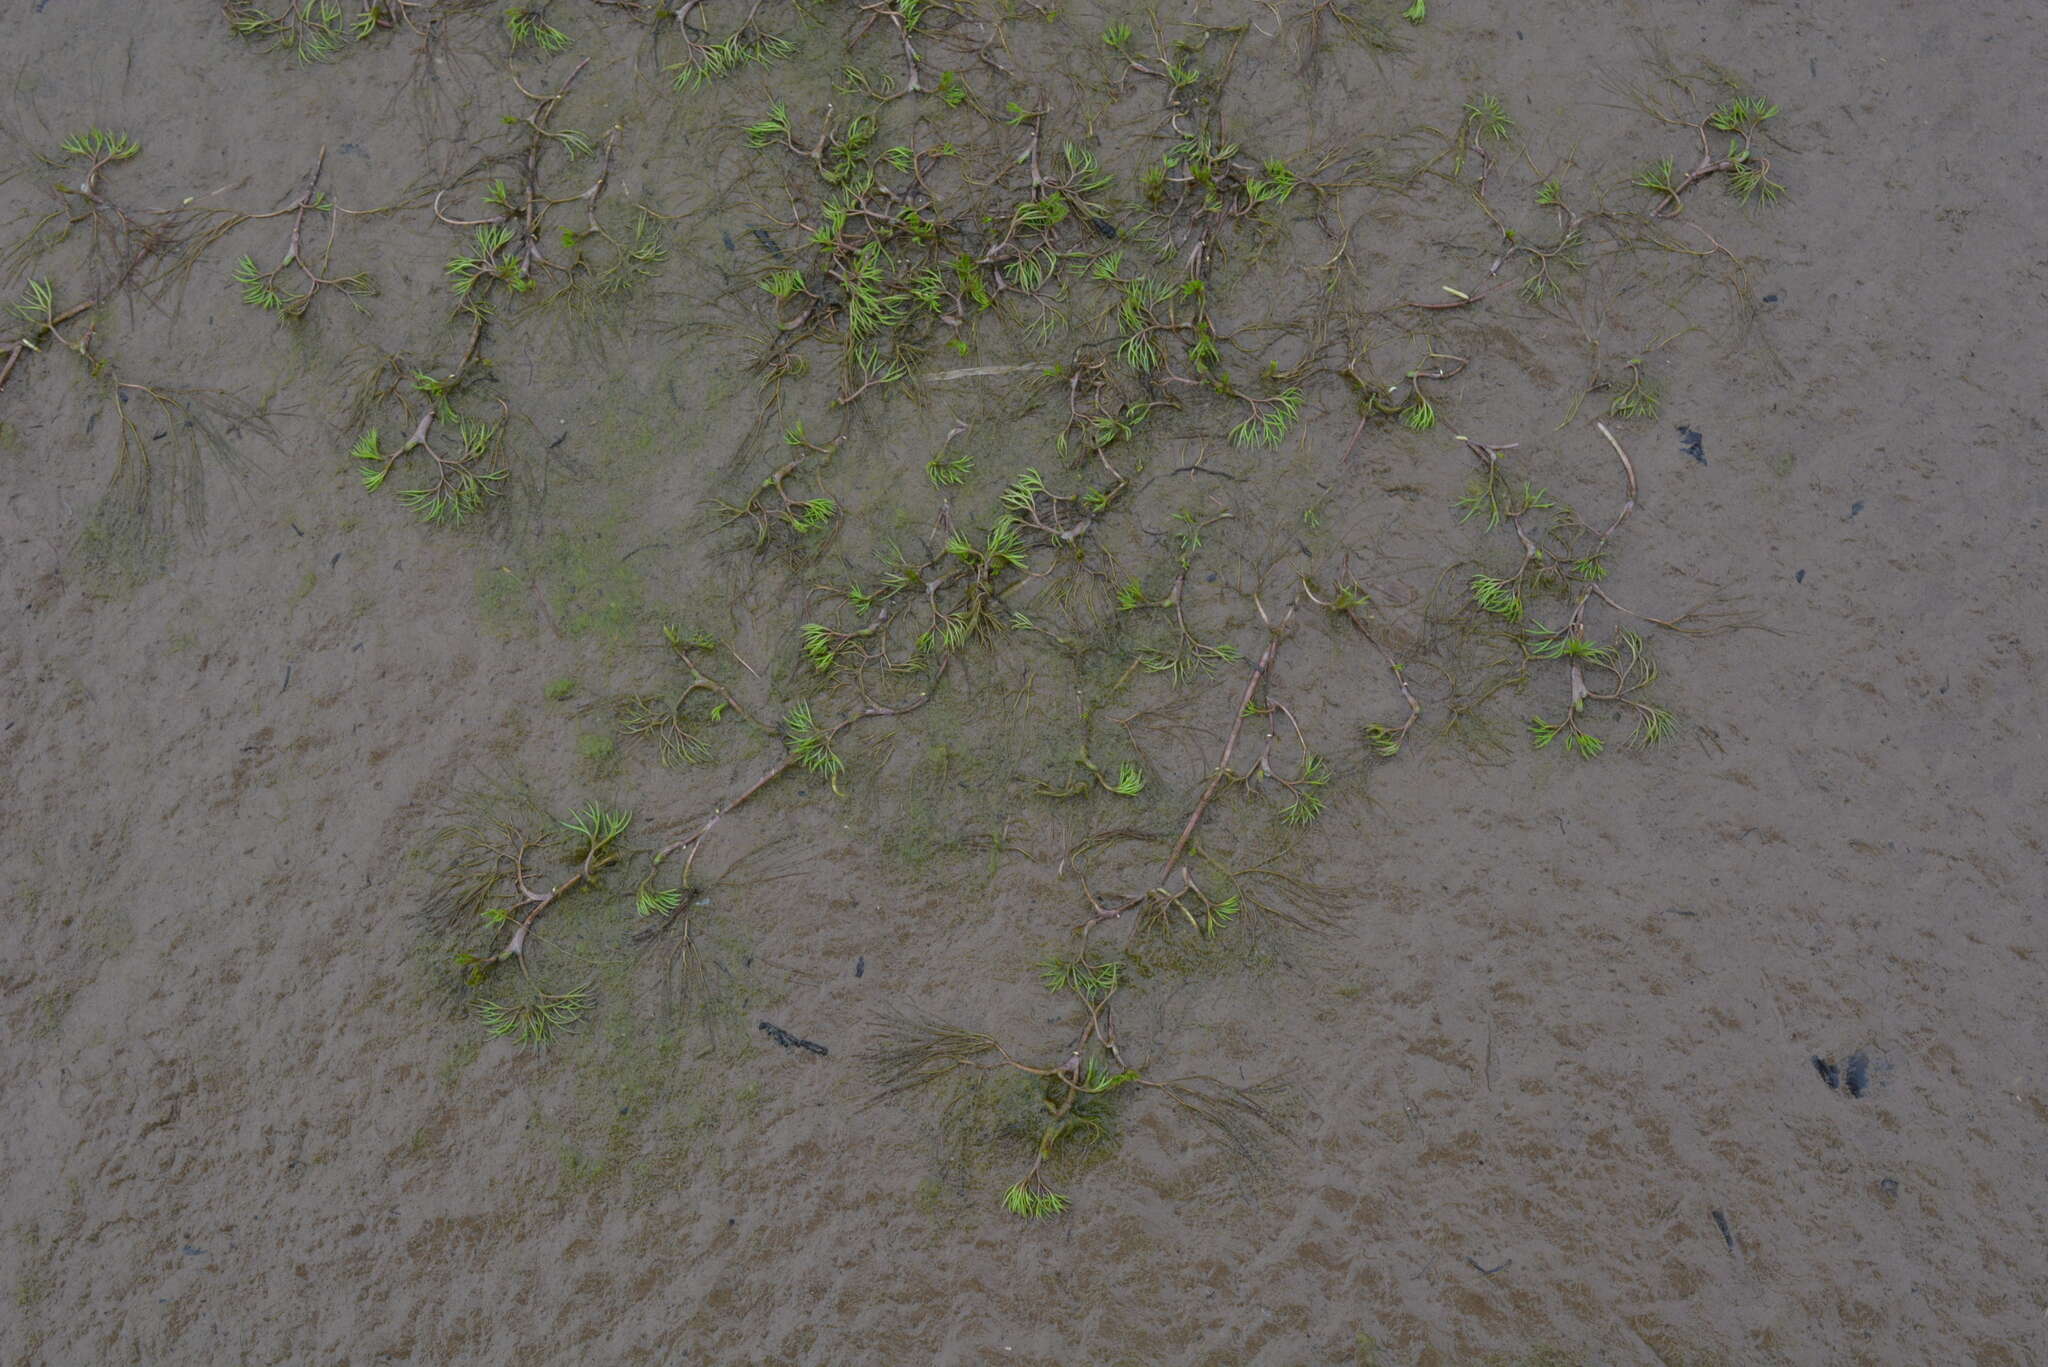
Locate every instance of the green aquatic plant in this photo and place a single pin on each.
(949, 471)
(1564, 564)
(1089, 979)
(1488, 117)
(100, 147)
(1662, 179)
(1155, 352)
(1743, 115)
(743, 48)
(811, 744)
(312, 30)
(1747, 168)
(492, 257)
(536, 1021)
(1271, 419)
(1640, 398)
(596, 828)
(464, 473)
(530, 28)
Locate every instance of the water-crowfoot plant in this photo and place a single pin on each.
(772, 510)
(310, 30)
(289, 287)
(460, 460)
(1078, 1089)
(1562, 569)
(527, 26)
(914, 230)
(675, 720)
(706, 59)
(155, 473)
(499, 874)
(1740, 119)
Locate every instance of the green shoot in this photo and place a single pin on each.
(1306, 791)
(100, 146)
(257, 291)
(526, 26)
(534, 1023)
(1744, 114)
(1092, 982)
(1640, 399)
(38, 303)
(1486, 114)
(771, 130)
(819, 647)
(311, 30)
(1569, 647)
(1217, 917)
(1750, 179)
(1500, 597)
(811, 515)
(1270, 420)
(1653, 724)
(1275, 188)
(489, 261)
(596, 828)
(1660, 179)
(784, 283)
(737, 52)
(658, 901)
(1036, 1204)
(375, 466)
(812, 745)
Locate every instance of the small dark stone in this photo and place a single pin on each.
(1856, 1073)
(1828, 1072)
(789, 1041)
(1799, 578)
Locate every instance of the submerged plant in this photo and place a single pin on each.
(536, 1021)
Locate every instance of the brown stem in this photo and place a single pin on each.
(305, 202)
(1222, 772)
(48, 325)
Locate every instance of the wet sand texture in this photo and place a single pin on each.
(1726, 1051)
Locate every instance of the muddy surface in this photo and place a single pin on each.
(1723, 1051)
